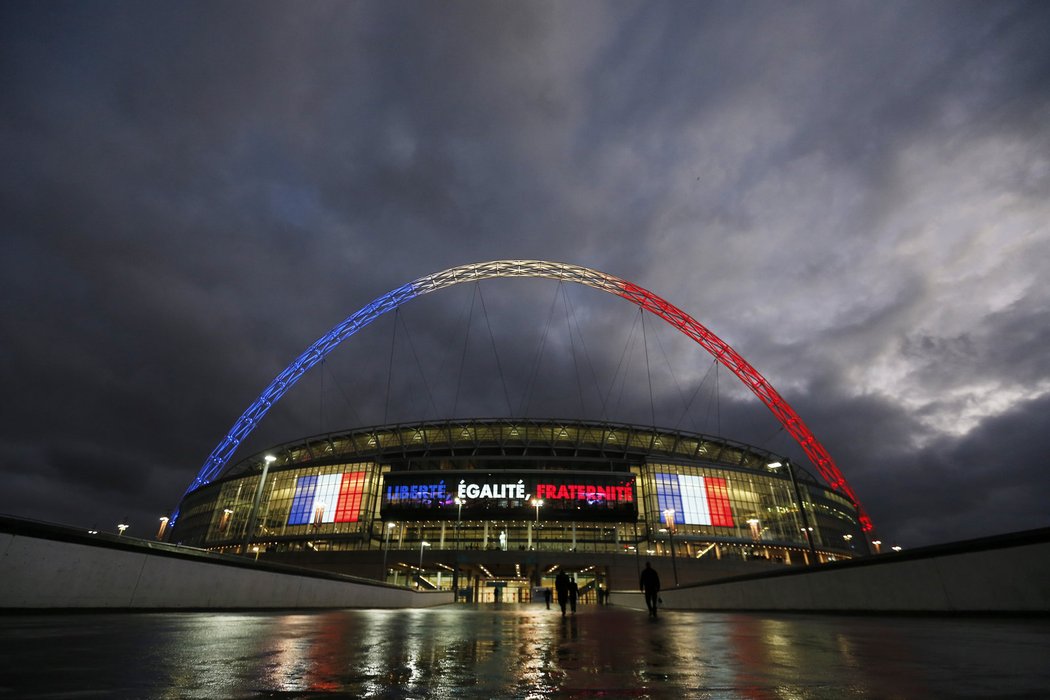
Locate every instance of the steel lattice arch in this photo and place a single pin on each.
(217, 461)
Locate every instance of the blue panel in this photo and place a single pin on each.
(303, 501)
(669, 495)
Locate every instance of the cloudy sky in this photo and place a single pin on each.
(854, 195)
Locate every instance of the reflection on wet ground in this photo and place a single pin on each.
(515, 651)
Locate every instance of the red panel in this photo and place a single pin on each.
(718, 501)
(351, 489)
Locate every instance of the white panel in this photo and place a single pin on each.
(326, 495)
(694, 500)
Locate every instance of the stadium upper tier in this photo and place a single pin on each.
(561, 440)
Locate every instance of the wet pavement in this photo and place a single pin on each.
(519, 651)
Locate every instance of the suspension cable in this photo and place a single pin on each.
(586, 353)
(625, 354)
(670, 369)
(768, 441)
(492, 340)
(526, 398)
(390, 366)
(572, 349)
(696, 392)
(718, 406)
(419, 366)
(448, 355)
(648, 372)
(463, 356)
(349, 403)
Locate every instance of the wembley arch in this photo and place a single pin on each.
(217, 461)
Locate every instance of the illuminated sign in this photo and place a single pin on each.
(498, 490)
(695, 500)
(327, 498)
(509, 495)
(417, 492)
(592, 493)
(437, 492)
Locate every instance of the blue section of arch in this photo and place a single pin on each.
(284, 381)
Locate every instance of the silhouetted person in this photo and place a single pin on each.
(547, 597)
(649, 583)
(574, 593)
(561, 587)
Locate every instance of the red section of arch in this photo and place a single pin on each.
(758, 384)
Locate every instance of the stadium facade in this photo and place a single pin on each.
(493, 508)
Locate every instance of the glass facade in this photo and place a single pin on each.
(526, 487)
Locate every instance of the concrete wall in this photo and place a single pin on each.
(53, 569)
(43, 567)
(1006, 574)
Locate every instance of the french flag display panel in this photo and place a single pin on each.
(327, 498)
(695, 500)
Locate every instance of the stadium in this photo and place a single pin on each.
(485, 505)
(494, 508)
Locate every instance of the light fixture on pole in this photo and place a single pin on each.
(422, 544)
(122, 527)
(163, 527)
(249, 532)
(878, 546)
(807, 532)
(459, 518)
(455, 571)
(806, 529)
(537, 503)
(669, 518)
(386, 547)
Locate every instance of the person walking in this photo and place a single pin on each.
(561, 587)
(649, 583)
(547, 597)
(574, 593)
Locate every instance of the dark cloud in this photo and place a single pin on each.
(984, 483)
(853, 195)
